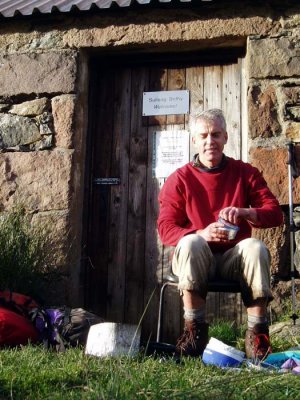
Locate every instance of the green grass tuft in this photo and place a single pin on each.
(27, 256)
(226, 331)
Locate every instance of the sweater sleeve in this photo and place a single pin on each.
(172, 221)
(262, 199)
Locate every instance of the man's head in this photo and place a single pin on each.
(210, 136)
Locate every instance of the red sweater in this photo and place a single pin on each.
(191, 198)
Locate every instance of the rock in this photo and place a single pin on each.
(49, 72)
(277, 241)
(31, 108)
(4, 107)
(283, 294)
(272, 162)
(273, 57)
(263, 110)
(292, 131)
(26, 177)
(17, 130)
(63, 108)
(109, 339)
(285, 330)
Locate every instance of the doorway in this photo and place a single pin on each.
(125, 260)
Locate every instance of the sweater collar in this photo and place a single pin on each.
(197, 164)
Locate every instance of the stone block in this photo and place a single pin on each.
(292, 131)
(263, 112)
(171, 28)
(283, 293)
(4, 107)
(29, 73)
(63, 109)
(273, 57)
(273, 165)
(58, 224)
(290, 99)
(30, 108)
(16, 130)
(277, 241)
(40, 180)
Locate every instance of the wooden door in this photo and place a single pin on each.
(125, 260)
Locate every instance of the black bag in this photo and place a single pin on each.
(64, 327)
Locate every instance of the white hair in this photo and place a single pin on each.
(210, 115)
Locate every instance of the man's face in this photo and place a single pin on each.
(209, 138)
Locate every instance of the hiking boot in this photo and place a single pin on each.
(193, 340)
(257, 342)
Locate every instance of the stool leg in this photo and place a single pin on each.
(160, 309)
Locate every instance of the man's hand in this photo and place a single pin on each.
(235, 214)
(213, 233)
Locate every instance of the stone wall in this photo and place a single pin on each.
(43, 100)
(274, 120)
(42, 151)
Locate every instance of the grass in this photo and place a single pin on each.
(34, 373)
(227, 332)
(27, 256)
(31, 372)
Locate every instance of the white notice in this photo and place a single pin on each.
(166, 102)
(171, 151)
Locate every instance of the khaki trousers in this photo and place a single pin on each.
(248, 262)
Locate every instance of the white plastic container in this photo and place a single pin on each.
(113, 339)
(220, 354)
(231, 229)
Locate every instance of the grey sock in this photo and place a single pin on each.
(253, 320)
(196, 314)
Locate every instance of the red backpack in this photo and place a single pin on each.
(16, 327)
(17, 302)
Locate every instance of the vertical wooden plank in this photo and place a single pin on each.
(153, 245)
(231, 105)
(212, 87)
(136, 200)
(158, 81)
(88, 268)
(194, 83)
(119, 196)
(176, 81)
(173, 306)
(244, 110)
(97, 235)
(212, 306)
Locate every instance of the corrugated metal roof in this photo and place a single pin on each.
(10, 8)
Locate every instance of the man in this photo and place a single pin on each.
(191, 201)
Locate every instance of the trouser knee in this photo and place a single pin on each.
(193, 245)
(255, 255)
(192, 263)
(255, 265)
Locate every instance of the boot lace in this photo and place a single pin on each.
(262, 345)
(187, 339)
